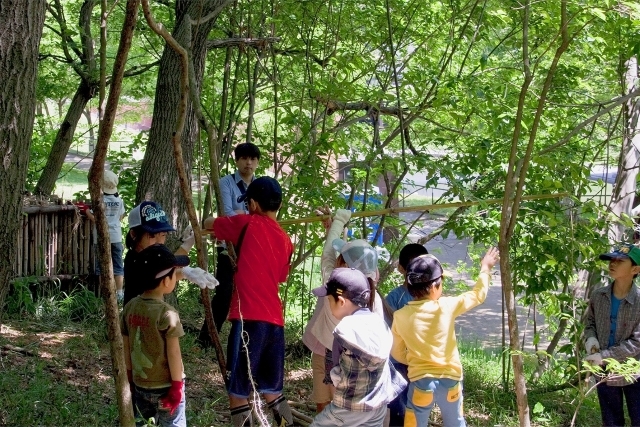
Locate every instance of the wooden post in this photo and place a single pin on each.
(56, 242)
(38, 244)
(86, 241)
(74, 242)
(32, 245)
(25, 246)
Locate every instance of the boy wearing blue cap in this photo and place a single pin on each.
(612, 331)
(148, 225)
(364, 379)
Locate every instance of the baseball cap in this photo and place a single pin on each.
(109, 182)
(626, 250)
(349, 283)
(358, 254)
(266, 191)
(156, 261)
(150, 217)
(424, 269)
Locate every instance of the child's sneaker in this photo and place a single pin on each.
(119, 296)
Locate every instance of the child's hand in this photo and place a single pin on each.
(200, 277)
(325, 210)
(490, 259)
(188, 238)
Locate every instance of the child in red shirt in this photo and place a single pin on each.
(257, 333)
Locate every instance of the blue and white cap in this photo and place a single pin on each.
(150, 217)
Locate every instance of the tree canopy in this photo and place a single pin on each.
(496, 99)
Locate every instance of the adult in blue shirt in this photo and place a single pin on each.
(232, 187)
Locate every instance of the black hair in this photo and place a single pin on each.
(409, 252)
(246, 149)
(149, 284)
(270, 205)
(421, 290)
(131, 242)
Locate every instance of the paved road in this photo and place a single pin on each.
(483, 324)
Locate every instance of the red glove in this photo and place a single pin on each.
(82, 207)
(173, 398)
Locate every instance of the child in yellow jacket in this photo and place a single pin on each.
(424, 339)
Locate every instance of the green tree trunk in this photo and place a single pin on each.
(64, 138)
(22, 23)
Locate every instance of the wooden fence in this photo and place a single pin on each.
(55, 241)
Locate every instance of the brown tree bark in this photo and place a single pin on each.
(158, 176)
(96, 172)
(22, 23)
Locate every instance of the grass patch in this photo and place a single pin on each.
(416, 200)
(488, 403)
(69, 380)
(72, 180)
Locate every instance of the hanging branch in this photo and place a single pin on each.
(182, 175)
(96, 172)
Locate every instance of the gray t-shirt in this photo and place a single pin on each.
(113, 210)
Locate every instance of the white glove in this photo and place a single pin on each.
(200, 277)
(188, 239)
(342, 215)
(335, 374)
(592, 345)
(594, 359)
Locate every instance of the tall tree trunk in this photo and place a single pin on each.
(64, 138)
(624, 189)
(22, 23)
(158, 176)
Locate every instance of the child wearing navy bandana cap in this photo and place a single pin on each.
(612, 331)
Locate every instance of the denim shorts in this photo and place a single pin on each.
(263, 344)
(146, 406)
(116, 260)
